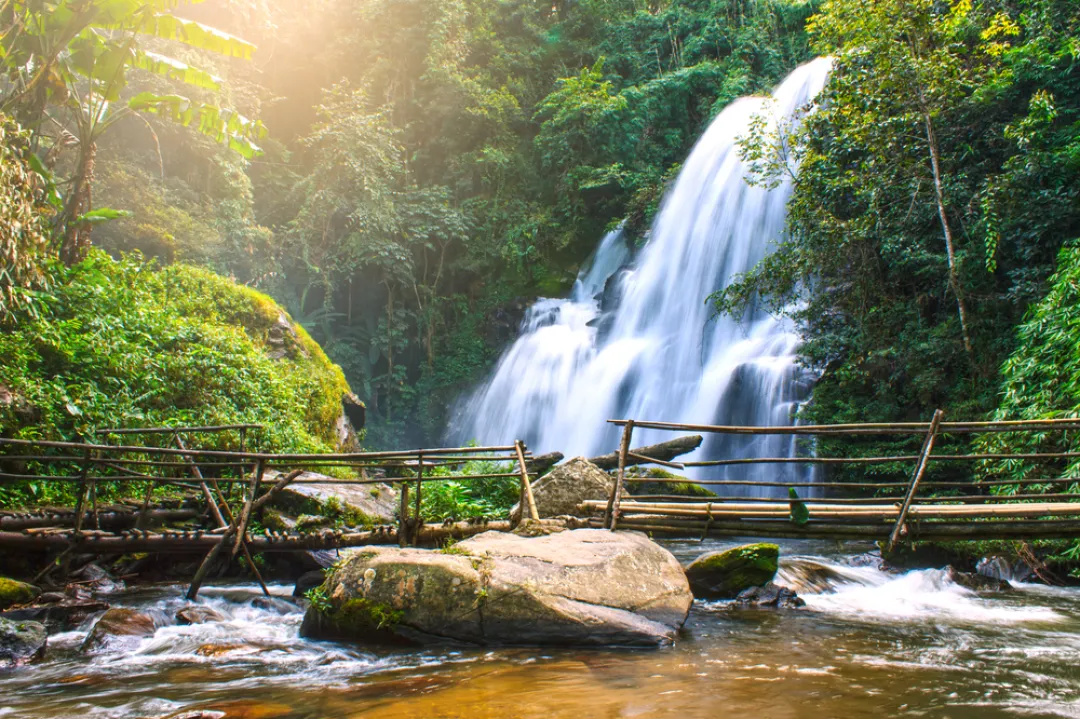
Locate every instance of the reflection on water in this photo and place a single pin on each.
(867, 643)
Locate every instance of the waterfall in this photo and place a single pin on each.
(639, 341)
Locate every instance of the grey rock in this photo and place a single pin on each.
(977, 582)
(770, 596)
(579, 587)
(560, 491)
(21, 642)
(198, 615)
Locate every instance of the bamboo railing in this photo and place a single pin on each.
(921, 513)
(230, 487)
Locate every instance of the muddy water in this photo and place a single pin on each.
(868, 643)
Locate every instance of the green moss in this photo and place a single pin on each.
(123, 343)
(361, 615)
(682, 489)
(722, 575)
(13, 592)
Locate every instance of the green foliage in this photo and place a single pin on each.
(474, 498)
(1041, 380)
(988, 89)
(124, 343)
(24, 231)
(67, 63)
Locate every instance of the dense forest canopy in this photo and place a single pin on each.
(404, 175)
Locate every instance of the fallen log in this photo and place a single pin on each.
(665, 451)
(540, 465)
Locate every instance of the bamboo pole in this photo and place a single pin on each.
(245, 514)
(529, 501)
(620, 478)
(864, 428)
(419, 483)
(216, 511)
(928, 447)
(403, 530)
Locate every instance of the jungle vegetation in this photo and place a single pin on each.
(403, 176)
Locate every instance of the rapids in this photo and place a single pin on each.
(867, 642)
(655, 350)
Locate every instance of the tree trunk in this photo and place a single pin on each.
(665, 451)
(77, 235)
(954, 279)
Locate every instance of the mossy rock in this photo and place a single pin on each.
(681, 489)
(13, 592)
(723, 575)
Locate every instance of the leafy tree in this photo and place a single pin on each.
(24, 231)
(72, 56)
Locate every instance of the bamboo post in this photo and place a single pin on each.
(612, 518)
(419, 484)
(527, 499)
(245, 514)
(403, 526)
(216, 511)
(920, 469)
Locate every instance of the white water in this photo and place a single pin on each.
(660, 354)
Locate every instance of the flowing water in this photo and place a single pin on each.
(654, 350)
(868, 643)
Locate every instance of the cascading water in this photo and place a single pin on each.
(659, 354)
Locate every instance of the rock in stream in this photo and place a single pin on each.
(580, 587)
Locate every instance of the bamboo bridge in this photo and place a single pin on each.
(228, 488)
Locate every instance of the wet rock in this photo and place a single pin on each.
(61, 617)
(21, 642)
(771, 595)
(308, 581)
(561, 491)
(811, 577)
(977, 582)
(998, 567)
(580, 587)
(117, 626)
(220, 650)
(722, 575)
(274, 604)
(873, 560)
(13, 592)
(198, 615)
(93, 579)
(51, 598)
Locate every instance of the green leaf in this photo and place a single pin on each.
(196, 34)
(176, 70)
(799, 513)
(102, 214)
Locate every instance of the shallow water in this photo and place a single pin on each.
(892, 645)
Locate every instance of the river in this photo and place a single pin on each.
(872, 643)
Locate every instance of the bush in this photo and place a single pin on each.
(123, 343)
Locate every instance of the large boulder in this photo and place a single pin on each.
(579, 587)
(13, 592)
(560, 491)
(21, 642)
(723, 575)
(352, 504)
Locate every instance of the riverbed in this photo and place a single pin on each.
(870, 643)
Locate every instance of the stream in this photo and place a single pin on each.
(911, 644)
